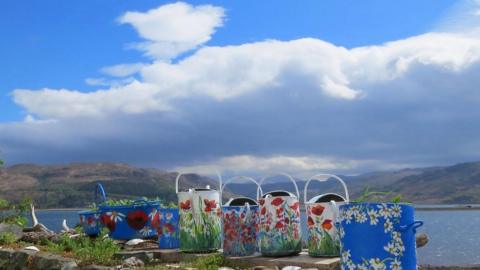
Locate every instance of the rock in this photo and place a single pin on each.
(134, 242)
(260, 267)
(421, 240)
(133, 263)
(225, 268)
(98, 267)
(44, 261)
(37, 237)
(5, 255)
(141, 245)
(13, 229)
(22, 259)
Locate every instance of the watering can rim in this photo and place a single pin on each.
(83, 212)
(231, 199)
(199, 190)
(292, 195)
(314, 199)
(377, 203)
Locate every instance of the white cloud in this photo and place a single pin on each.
(174, 28)
(122, 70)
(301, 166)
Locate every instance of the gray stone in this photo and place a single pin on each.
(5, 255)
(98, 267)
(13, 229)
(37, 237)
(44, 261)
(22, 259)
(133, 263)
(145, 256)
(421, 240)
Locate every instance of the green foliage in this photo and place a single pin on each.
(86, 249)
(14, 213)
(209, 262)
(128, 202)
(377, 196)
(7, 238)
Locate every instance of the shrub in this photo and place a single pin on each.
(7, 238)
(14, 213)
(86, 249)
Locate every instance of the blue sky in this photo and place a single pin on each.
(341, 86)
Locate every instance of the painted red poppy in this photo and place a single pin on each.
(137, 219)
(261, 201)
(295, 206)
(279, 211)
(264, 210)
(108, 222)
(186, 205)
(317, 210)
(310, 222)
(327, 224)
(90, 220)
(209, 205)
(279, 225)
(287, 220)
(170, 228)
(277, 201)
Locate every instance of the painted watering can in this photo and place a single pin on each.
(322, 212)
(90, 219)
(200, 218)
(136, 220)
(240, 222)
(279, 224)
(378, 236)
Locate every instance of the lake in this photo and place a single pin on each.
(454, 234)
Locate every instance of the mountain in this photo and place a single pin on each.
(72, 185)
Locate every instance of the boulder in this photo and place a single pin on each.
(48, 261)
(13, 229)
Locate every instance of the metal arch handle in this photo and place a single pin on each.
(260, 191)
(414, 226)
(181, 173)
(100, 191)
(323, 177)
(259, 188)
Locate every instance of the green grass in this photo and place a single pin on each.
(87, 250)
(7, 238)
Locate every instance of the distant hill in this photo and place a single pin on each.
(72, 185)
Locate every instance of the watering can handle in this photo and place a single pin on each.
(260, 191)
(99, 191)
(180, 174)
(324, 178)
(239, 178)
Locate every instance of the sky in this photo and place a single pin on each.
(244, 87)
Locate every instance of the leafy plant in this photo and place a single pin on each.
(378, 196)
(209, 262)
(14, 213)
(7, 238)
(86, 249)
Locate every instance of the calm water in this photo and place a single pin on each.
(454, 235)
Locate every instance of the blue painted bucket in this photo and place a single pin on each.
(90, 222)
(90, 219)
(130, 221)
(378, 236)
(167, 228)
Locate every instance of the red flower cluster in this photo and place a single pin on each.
(108, 222)
(209, 205)
(137, 219)
(317, 210)
(327, 224)
(186, 205)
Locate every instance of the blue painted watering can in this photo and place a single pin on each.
(240, 219)
(378, 236)
(90, 219)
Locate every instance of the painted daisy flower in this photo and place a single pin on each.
(116, 216)
(350, 264)
(396, 211)
(373, 215)
(396, 264)
(388, 226)
(169, 216)
(384, 211)
(361, 217)
(346, 255)
(390, 248)
(146, 231)
(377, 264)
(362, 267)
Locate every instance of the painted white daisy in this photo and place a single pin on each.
(384, 211)
(388, 226)
(361, 217)
(169, 216)
(350, 265)
(377, 264)
(390, 248)
(146, 231)
(396, 211)
(362, 267)
(397, 236)
(396, 264)
(373, 215)
(116, 216)
(346, 255)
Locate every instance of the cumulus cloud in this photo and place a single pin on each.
(301, 106)
(174, 28)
